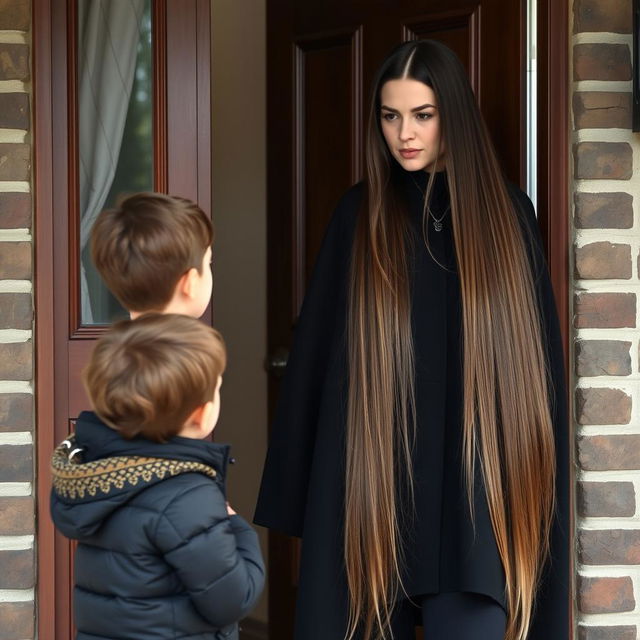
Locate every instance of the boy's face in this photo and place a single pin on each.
(204, 285)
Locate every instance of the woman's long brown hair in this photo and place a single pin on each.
(507, 426)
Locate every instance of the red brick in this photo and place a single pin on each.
(601, 62)
(609, 546)
(597, 405)
(15, 210)
(15, 260)
(604, 453)
(603, 210)
(15, 161)
(603, 358)
(606, 499)
(613, 16)
(16, 361)
(602, 261)
(17, 570)
(16, 412)
(14, 111)
(603, 161)
(605, 595)
(17, 620)
(602, 110)
(16, 463)
(15, 15)
(17, 517)
(627, 632)
(15, 311)
(14, 61)
(604, 310)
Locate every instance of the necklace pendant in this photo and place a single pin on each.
(437, 225)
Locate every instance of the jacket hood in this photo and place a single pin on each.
(95, 471)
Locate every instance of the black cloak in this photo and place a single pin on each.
(302, 492)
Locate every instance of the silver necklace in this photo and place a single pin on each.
(437, 222)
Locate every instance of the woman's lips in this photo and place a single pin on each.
(409, 153)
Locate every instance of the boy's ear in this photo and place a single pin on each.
(188, 283)
(200, 418)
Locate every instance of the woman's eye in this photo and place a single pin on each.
(423, 116)
(389, 116)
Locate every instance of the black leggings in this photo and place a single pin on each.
(450, 616)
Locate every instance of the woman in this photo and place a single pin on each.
(420, 444)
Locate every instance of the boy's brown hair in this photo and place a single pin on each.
(143, 247)
(147, 376)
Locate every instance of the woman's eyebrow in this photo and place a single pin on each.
(420, 108)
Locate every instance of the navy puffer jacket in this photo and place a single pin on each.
(158, 556)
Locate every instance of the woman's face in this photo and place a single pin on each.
(411, 124)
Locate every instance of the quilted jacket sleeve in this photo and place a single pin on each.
(216, 557)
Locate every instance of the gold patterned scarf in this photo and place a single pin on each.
(77, 480)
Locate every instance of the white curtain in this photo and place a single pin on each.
(107, 47)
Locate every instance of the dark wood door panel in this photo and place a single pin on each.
(79, 352)
(458, 29)
(327, 78)
(495, 35)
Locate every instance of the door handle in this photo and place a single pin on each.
(277, 361)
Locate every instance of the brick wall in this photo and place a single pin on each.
(606, 192)
(17, 563)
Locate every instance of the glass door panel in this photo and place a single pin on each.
(115, 143)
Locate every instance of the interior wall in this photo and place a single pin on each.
(239, 216)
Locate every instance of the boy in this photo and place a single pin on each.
(154, 254)
(158, 555)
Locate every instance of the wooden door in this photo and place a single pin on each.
(321, 60)
(180, 165)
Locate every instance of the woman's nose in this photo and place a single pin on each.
(406, 130)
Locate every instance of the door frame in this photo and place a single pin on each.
(182, 128)
(554, 139)
(553, 205)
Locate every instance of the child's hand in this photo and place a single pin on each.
(230, 510)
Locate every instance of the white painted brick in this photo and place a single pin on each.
(15, 489)
(15, 235)
(603, 85)
(603, 135)
(16, 543)
(596, 186)
(13, 86)
(15, 438)
(16, 595)
(16, 186)
(15, 386)
(8, 336)
(603, 37)
(13, 37)
(16, 286)
(13, 135)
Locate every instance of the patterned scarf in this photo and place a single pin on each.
(75, 480)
